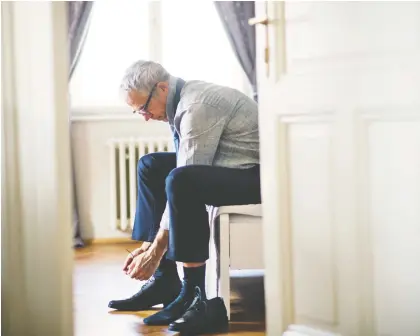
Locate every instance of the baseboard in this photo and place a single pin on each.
(299, 330)
(105, 241)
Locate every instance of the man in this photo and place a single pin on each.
(216, 163)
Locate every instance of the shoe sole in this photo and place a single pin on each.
(165, 304)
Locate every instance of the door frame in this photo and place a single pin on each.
(37, 254)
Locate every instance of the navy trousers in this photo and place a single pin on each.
(188, 190)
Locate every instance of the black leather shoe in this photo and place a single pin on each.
(153, 292)
(205, 316)
(188, 296)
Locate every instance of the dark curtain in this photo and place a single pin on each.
(235, 16)
(78, 13)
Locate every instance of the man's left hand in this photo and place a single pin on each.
(144, 265)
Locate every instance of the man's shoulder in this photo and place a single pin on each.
(196, 92)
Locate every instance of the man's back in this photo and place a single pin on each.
(224, 121)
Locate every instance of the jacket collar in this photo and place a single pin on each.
(171, 105)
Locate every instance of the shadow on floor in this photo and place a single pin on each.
(247, 297)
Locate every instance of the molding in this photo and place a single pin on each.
(307, 117)
(389, 113)
(298, 330)
(368, 54)
(89, 114)
(101, 117)
(370, 60)
(319, 120)
(365, 117)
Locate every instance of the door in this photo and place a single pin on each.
(36, 255)
(339, 95)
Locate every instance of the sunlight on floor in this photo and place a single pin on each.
(98, 279)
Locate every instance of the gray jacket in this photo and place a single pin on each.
(217, 126)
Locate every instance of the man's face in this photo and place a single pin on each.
(152, 105)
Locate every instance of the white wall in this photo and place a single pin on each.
(91, 155)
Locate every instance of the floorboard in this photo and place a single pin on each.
(98, 279)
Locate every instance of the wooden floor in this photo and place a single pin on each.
(98, 279)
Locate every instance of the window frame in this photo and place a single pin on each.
(98, 113)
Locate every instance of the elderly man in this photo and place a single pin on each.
(215, 130)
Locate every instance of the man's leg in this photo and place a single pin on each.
(189, 189)
(152, 171)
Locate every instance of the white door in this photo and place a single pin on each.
(36, 246)
(340, 154)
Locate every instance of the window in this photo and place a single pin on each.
(118, 36)
(187, 37)
(196, 46)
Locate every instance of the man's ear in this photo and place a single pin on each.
(163, 86)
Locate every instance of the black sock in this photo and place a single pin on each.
(167, 268)
(196, 276)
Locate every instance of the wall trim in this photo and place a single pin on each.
(103, 114)
(300, 330)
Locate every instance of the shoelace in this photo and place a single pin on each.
(202, 305)
(198, 304)
(147, 283)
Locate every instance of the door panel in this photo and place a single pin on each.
(309, 147)
(394, 170)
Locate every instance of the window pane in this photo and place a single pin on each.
(195, 44)
(118, 35)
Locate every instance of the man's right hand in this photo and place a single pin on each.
(143, 248)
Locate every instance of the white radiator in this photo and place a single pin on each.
(123, 157)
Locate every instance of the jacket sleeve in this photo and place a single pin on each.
(201, 127)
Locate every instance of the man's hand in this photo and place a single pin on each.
(143, 248)
(144, 265)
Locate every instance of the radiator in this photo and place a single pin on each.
(123, 157)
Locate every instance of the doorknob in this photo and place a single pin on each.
(254, 21)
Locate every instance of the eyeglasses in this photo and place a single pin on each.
(143, 110)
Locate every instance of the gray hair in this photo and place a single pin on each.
(142, 75)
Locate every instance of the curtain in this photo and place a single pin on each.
(78, 13)
(235, 16)
(78, 22)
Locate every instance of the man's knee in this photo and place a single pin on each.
(179, 178)
(147, 163)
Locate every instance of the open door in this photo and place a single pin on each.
(37, 254)
(340, 152)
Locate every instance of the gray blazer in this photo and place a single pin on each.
(217, 126)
